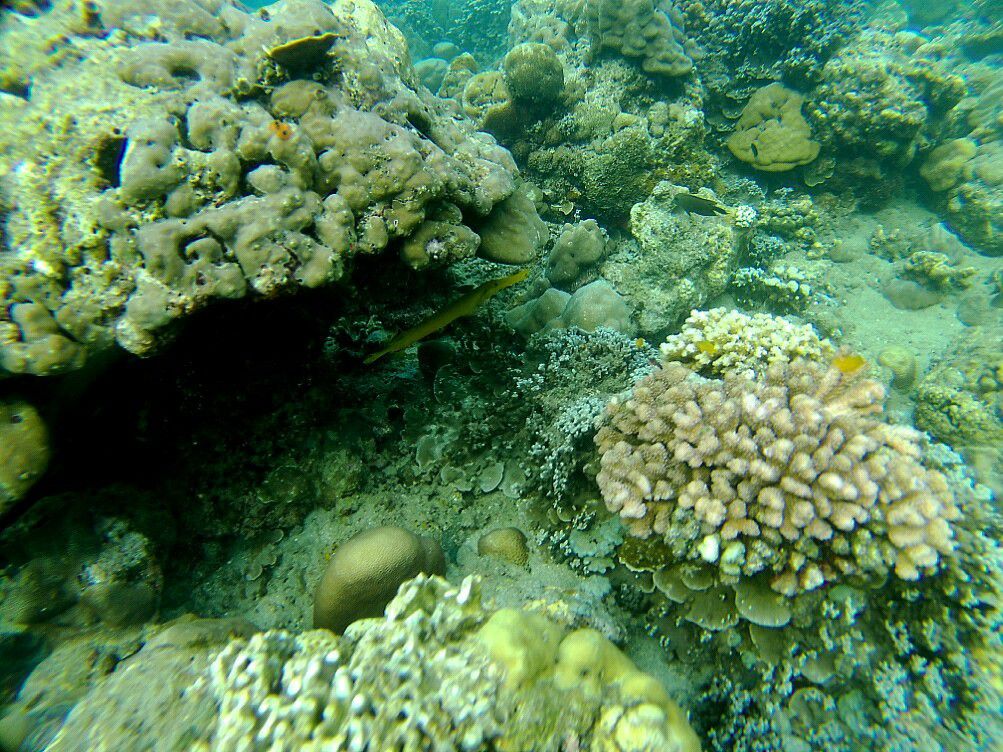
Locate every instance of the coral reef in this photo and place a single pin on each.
(255, 159)
(651, 30)
(882, 94)
(441, 671)
(960, 401)
(788, 474)
(750, 41)
(618, 130)
(965, 171)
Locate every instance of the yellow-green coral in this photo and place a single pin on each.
(948, 164)
(772, 135)
(961, 400)
(938, 270)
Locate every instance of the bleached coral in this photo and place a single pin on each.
(724, 341)
(788, 473)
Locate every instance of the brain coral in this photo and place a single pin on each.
(162, 163)
(789, 473)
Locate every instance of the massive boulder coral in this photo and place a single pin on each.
(651, 30)
(153, 168)
(772, 135)
(441, 671)
(787, 474)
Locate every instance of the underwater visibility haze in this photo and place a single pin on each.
(490, 376)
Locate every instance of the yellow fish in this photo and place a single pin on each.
(848, 363)
(443, 318)
(707, 347)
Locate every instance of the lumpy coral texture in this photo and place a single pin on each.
(215, 154)
(790, 474)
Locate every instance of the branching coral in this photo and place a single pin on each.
(723, 341)
(789, 473)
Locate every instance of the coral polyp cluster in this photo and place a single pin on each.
(790, 474)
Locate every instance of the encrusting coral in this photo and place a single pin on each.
(788, 473)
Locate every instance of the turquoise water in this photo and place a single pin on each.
(474, 375)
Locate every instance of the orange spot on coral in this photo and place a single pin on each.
(848, 363)
(282, 131)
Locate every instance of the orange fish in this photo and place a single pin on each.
(848, 363)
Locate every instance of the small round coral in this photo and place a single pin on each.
(365, 572)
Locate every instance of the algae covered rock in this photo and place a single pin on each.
(24, 450)
(684, 261)
(216, 154)
(772, 135)
(960, 401)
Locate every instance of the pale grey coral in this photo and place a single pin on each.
(724, 341)
(255, 153)
(597, 304)
(789, 474)
(578, 248)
